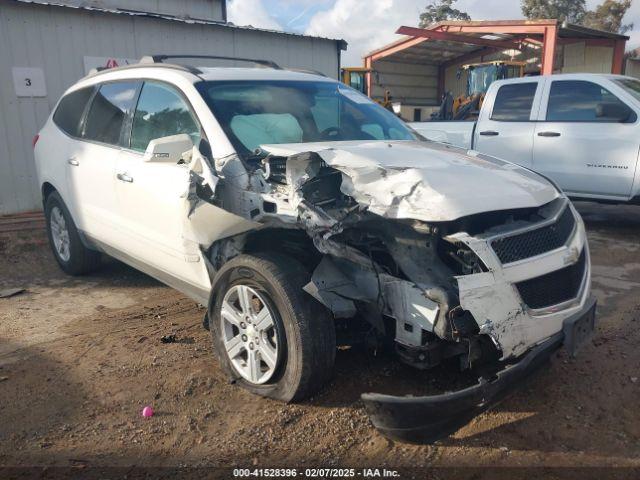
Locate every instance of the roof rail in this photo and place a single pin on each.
(184, 68)
(162, 58)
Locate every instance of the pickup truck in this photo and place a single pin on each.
(580, 130)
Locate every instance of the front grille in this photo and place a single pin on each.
(535, 242)
(555, 287)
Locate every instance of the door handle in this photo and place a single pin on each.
(73, 162)
(489, 133)
(123, 177)
(548, 134)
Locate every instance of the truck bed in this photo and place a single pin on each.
(458, 133)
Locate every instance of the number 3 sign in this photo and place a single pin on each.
(29, 82)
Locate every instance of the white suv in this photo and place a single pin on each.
(306, 216)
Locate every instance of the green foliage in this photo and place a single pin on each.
(440, 10)
(608, 16)
(570, 10)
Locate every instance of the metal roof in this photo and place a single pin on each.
(187, 20)
(430, 51)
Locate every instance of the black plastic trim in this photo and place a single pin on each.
(427, 419)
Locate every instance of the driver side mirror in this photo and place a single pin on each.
(168, 149)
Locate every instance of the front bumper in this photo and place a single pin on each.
(430, 418)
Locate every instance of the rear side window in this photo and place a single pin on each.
(108, 112)
(580, 101)
(514, 102)
(70, 109)
(161, 112)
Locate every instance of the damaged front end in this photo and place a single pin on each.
(433, 265)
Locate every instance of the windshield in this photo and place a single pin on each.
(254, 113)
(631, 86)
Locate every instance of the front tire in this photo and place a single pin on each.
(67, 247)
(271, 337)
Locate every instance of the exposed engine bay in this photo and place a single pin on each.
(393, 255)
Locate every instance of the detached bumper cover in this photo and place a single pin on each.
(427, 419)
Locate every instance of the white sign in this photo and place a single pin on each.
(106, 62)
(29, 82)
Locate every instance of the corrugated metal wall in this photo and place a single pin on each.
(57, 39)
(632, 67)
(409, 83)
(203, 9)
(579, 57)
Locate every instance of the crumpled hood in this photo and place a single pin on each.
(426, 181)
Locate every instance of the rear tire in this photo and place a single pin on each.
(299, 331)
(67, 247)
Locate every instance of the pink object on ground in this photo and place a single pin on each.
(147, 412)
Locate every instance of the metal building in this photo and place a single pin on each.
(420, 67)
(45, 47)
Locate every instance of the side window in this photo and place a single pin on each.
(581, 101)
(69, 112)
(108, 112)
(514, 102)
(161, 112)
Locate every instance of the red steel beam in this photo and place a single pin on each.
(369, 64)
(451, 37)
(618, 57)
(524, 30)
(549, 49)
(397, 47)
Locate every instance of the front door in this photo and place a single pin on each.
(151, 196)
(587, 140)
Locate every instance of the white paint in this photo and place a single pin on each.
(425, 181)
(494, 301)
(596, 160)
(154, 222)
(29, 82)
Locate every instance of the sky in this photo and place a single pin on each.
(367, 24)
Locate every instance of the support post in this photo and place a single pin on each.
(368, 64)
(549, 49)
(618, 57)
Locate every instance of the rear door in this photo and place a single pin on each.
(60, 153)
(507, 121)
(151, 196)
(587, 139)
(91, 161)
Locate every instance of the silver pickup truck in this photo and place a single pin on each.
(580, 130)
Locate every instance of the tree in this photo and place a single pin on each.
(440, 10)
(608, 16)
(572, 11)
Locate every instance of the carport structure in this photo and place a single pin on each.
(437, 52)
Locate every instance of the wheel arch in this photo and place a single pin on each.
(47, 189)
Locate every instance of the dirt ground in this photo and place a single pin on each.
(80, 357)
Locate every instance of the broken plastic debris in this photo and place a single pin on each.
(10, 292)
(147, 411)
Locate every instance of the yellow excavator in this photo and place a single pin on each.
(479, 77)
(356, 77)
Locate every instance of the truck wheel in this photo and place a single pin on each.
(271, 337)
(70, 253)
